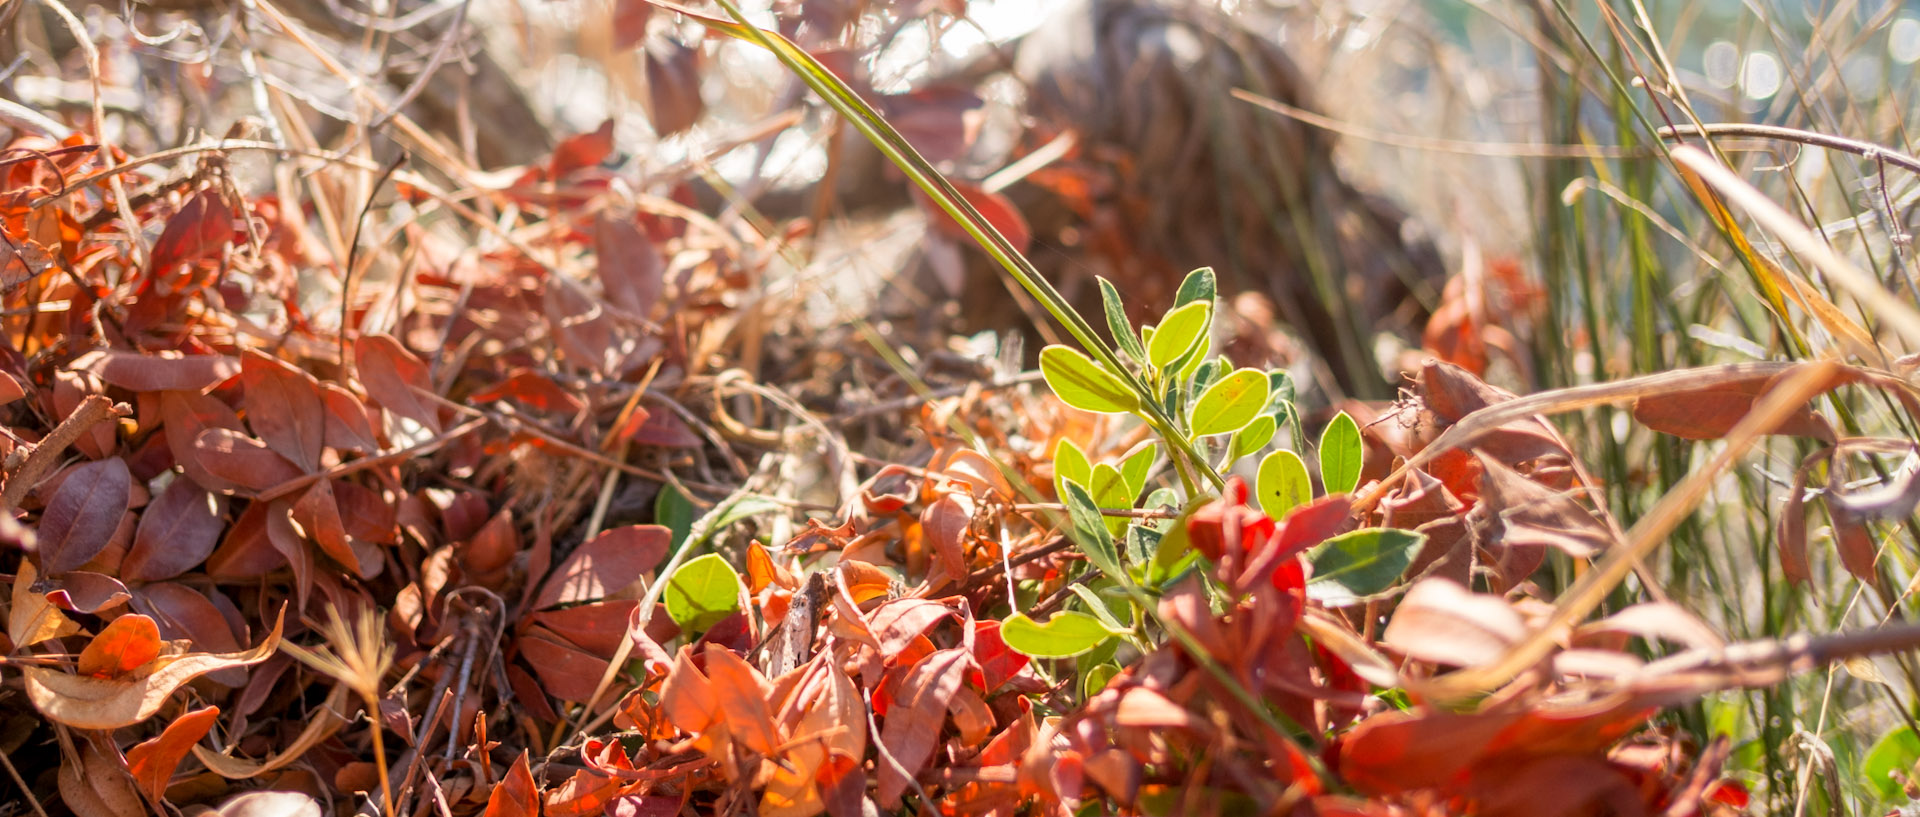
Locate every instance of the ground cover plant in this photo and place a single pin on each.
(358, 462)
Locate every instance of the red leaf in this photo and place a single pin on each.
(583, 150)
(897, 623)
(177, 532)
(630, 22)
(945, 523)
(613, 560)
(390, 373)
(914, 721)
(284, 408)
(318, 515)
(515, 795)
(565, 671)
(995, 208)
(85, 510)
(1709, 413)
(631, 267)
(158, 371)
(246, 552)
(125, 645)
(674, 103)
(84, 592)
(533, 389)
(202, 228)
(346, 424)
(152, 761)
(186, 414)
(998, 662)
(596, 628)
(236, 459)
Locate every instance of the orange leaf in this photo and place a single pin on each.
(742, 695)
(390, 373)
(84, 702)
(152, 761)
(515, 795)
(125, 645)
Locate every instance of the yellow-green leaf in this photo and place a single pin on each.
(1083, 384)
(1230, 403)
(1065, 635)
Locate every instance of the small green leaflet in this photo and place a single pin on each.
(1117, 321)
(1197, 286)
(1357, 564)
(1897, 751)
(1340, 455)
(1231, 403)
(1069, 464)
(1109, 489)
(1065, 635)
(1090, 530)
(1180, 331)
(671, 509)
(1136, 467)
(1282, 484)
(1253, 437)
(1083, 384)
(702, 593)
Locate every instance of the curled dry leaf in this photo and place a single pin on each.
(152, 761)
(83, 702)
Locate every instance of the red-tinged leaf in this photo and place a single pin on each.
(945, 523)
(687, 697)
(630, 18)
(245, 552)
(742, 696)
(186, 612)
(998, 663)
(533, 390)
(158, 371)
(285, 538)
(493, 547)
(643, 805)
(177, 532)
(202, 228)
(284, 408)
(665, 429)
(1519, 512)
(995, 208)
(583, 150)
(94, 784)
(85, 702)
(915, 720)
(126, 644)
(631, 267)
(613, 560)
(586, 794)
(368, 516)
(83, 592)
(566, 672)
(186, 414)
(940, 121)
(1441, 622)
(897, 623)
(515, 795)
(347, 427)
(11, 388)
(390, 374)
(596, 628)
(1709, 413)
(1793, 536)
(1855, 542)
(673, 74)
(83, 514)
(318, 515)
(240, 462)
(152, 761)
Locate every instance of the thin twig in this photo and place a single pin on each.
(1867, 150)
(92, 410)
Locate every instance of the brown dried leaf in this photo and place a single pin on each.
(1442, 623)
(390, 374)
(83, 702)
(318, 728)
(945, 523)
(95, 784)
(285, 409)
(631, 267)
(235, 459)
(915, 720)
(515, 795)
(1518, 512)
(157, 371)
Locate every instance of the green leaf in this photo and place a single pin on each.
(1280, 385)
(1090, 530)
(1898, 750)
(1253, 437)
(1178, 332)
(1109, 491)
(702, 592)
(1136, 467)
(1065, 635)
(1117, 321)
(724, 515)
(673, 510)
(1282, 484)
(1083, 384)
(1197, 286)
(1360, 563)
(1141, 542)
(1340, 455)
(1069, 463)
(1230, 404)
(1206, 373)
(1101, 609)
(1095, 678)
